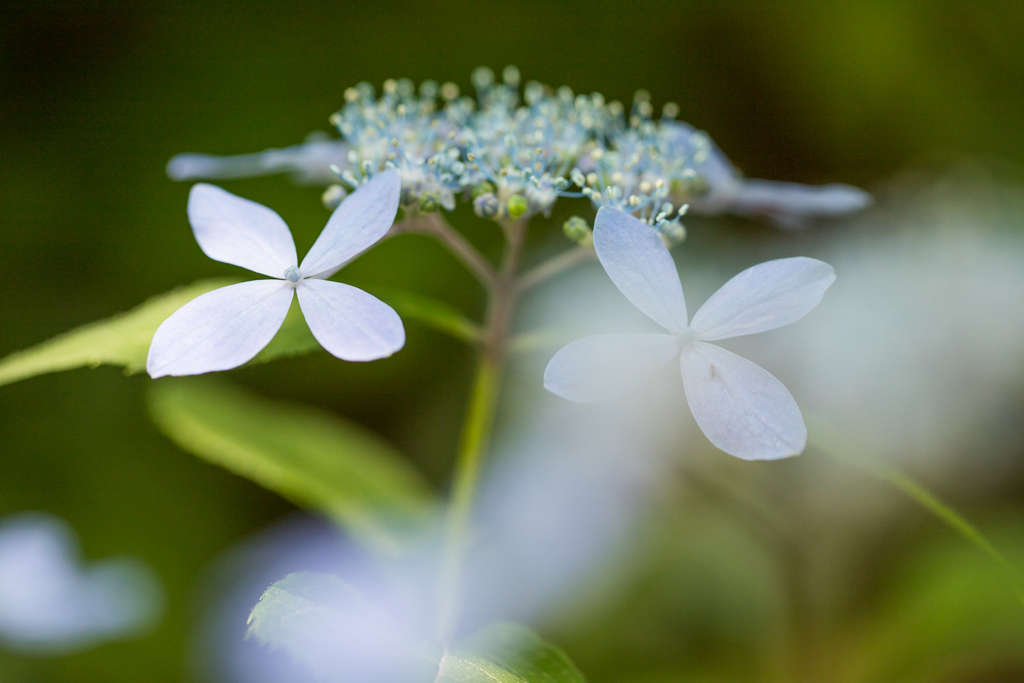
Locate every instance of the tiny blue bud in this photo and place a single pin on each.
(292, 274)
(486, 205)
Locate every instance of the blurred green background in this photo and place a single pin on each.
(95, 97)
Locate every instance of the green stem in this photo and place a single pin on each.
(554, 266)
(476, 431)
(434, 225)
(930, 502)
(831, 443)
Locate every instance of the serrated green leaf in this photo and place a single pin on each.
(507, 653)
(272, 619)
(311, 457)
(326, 623)
(471, 669)
(124, 339)
(119, 340)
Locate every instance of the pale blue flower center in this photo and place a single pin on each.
(292, 274)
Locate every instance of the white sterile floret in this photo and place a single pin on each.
(739, 406)
(51, 602)
(227, 327)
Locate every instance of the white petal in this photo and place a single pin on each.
(766, 296)
(607, 365)
(219, 330)
(348, 322)
(241, 232)
(791, 205)
(309, 163)
(739, 405)
(360, 221)
(641, 267)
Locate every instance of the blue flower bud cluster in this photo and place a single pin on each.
(513, 150)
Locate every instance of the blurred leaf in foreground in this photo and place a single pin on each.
(507, 652)
(326, 624)
(315, 459)
(331, 626)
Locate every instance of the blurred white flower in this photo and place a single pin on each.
(739, 406)
(49, 602)
(227, 327)
(919, 355)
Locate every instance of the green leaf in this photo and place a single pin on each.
(124, 338)
(120, 340)
(272, 621)
(435, 314)
(311, 457)
(293, 339)
(325, 622)
(507, 653)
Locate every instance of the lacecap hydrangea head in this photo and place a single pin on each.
(515, 149)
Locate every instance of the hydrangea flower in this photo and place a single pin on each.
(514, 150)
(739, 406)
(227, 327)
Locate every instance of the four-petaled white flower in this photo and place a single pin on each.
(229, 326)
(739, 406)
